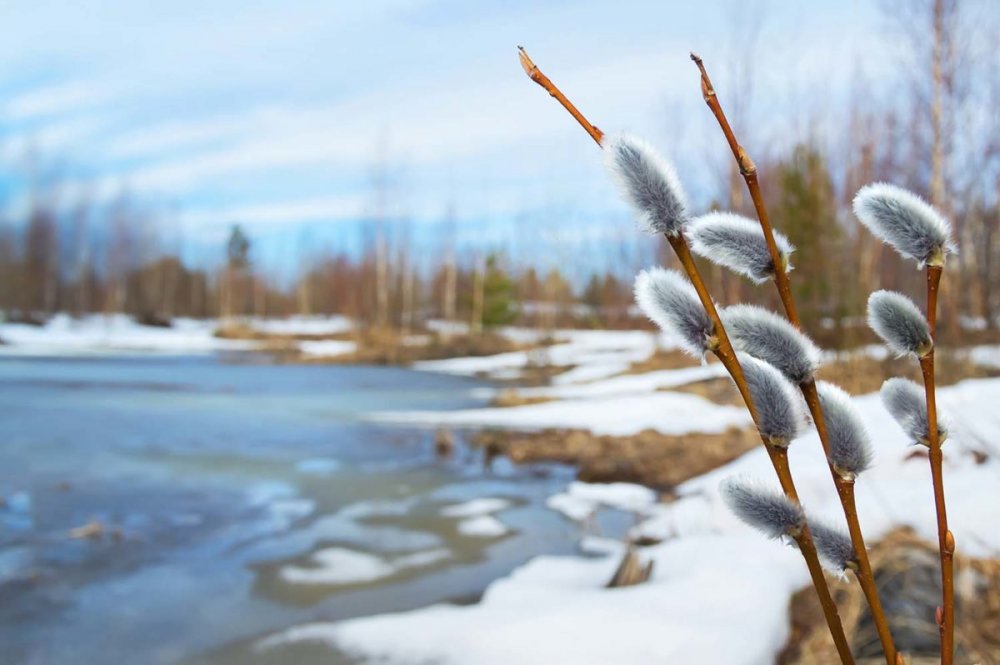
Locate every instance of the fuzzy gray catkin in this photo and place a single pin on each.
(899, 322)
(780, 412)
(906, 401)
(769, 337)
(850, 444)
(833, 546)
(648, 183)
(770, 512)
(738, 243)
(905, 221)
(670, 301)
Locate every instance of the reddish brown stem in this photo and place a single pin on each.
(749, 171)
(864, 573)
(845, 492)
(946, 541)
(536, 75)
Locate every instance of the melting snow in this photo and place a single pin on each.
(719, 592)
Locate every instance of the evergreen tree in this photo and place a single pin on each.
(806, 213)
(498, 295)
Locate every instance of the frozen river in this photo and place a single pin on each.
(237, 499)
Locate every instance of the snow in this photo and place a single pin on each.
(719, 592)
(580, 500)
(594, 354)
(340, 566)
(629, 384)
(555, 610)
(328, 347)
(476, 507)
(303, 325)
(483, 526)
(63, 335)
(667, 412)
(478, 520)
(986, 356)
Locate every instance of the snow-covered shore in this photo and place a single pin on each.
(117, 334)
(719, 591)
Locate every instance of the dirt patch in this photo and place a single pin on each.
(511, 397)
(661, 359)
(906, 572)
(649, 458)
(721, 390)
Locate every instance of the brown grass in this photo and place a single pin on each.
(858, 374)
(649, 458)
(510, 397)
(661, 359)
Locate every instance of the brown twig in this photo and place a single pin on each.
(726, 354)
(845, 492)
(845, 486)
(946, 541)
(864, 572)
(536, 75)
(749, 171)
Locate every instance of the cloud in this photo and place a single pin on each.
(302, 210)
(56, 99)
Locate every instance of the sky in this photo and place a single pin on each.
(282, 115)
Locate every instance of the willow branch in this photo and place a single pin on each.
(845, 492)
(536, 75)
(845, 487)
(946, 541)
(749, 171)
(727, 356)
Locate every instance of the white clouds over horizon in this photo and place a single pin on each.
(275, 113)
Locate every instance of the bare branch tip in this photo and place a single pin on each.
(526, 63)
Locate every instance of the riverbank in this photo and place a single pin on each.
(615, 406)
(719, 592)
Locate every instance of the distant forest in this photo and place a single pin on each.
(942, 139)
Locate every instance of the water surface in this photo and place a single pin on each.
(209, 482)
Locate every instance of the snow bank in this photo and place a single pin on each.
(580, 500)
(629, 384)
(555, 610)
(594, 354)
(303, 325)
(719, 592)
(328, 348)
(669, 413)
(63, 335)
